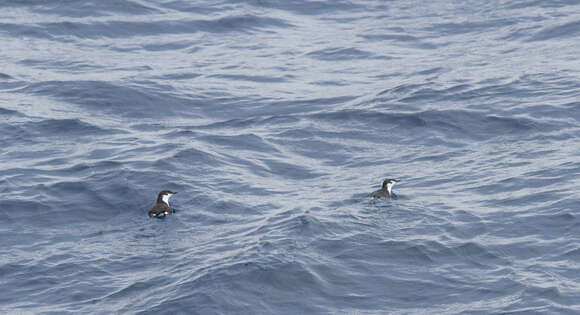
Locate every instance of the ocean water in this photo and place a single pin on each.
(274, 120)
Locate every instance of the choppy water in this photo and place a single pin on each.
(274, 120)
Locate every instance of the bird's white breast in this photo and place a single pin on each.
(166, 198)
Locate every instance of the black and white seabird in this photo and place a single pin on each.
(386, 190)
(161, 207)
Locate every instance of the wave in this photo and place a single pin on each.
(308, 7)
(454, 123)
(402, 39)
(76, 9)
(570, 29)
(334, 54)
(113, 99)
(61, 31)
(4, 76)
(250, 78)
(42, 130)
(9, 112)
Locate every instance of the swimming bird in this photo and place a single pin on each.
(386, 190)
(161, 207)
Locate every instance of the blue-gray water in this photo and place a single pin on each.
(274, 120)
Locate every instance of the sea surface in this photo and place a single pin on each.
(274, 120)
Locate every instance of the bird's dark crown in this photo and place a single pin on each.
(389, 180)
(163, 193)
(166, 192)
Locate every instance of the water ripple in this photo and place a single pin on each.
(274, 121)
